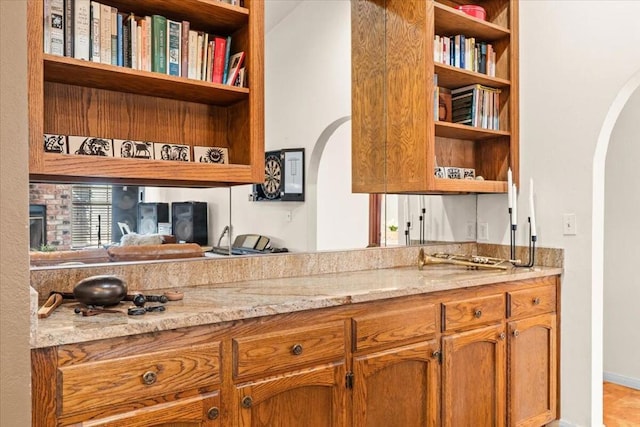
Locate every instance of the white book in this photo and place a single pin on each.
(56, 28)
(114, 36)
(147, 39)
(105, 34)
(198, 74)
(139, 45)
(193, 54)
(82, 32)
(133, 26)
(95, 31)
(47, 26)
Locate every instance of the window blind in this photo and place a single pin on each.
(91, 215)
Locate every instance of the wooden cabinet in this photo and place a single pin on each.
(396, 142)
(74, 97)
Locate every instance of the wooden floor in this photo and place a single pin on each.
(621, 406)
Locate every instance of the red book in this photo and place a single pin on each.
(235, 63)
(218, 58)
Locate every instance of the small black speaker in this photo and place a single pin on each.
(189, 222)
(124, 209)
(149, 215)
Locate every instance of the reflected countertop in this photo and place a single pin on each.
(240, 300)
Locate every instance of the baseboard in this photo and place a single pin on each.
(622, 380)
(561, 423)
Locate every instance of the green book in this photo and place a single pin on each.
(159, 44)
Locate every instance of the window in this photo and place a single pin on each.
(91, 215)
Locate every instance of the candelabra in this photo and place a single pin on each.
(532, 243)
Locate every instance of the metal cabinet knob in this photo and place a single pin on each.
(296, 350)
(503, 336)
(478, 314)
(213, 413)
(516, 333)
(536, 301)
(247, 402)
(149, 377)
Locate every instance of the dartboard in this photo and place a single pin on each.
(272, 176)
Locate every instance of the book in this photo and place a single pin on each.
(159, 44)
(56, 27)
(95, 31)
(174, 57)
(193, 54)
(184, 50)
(139, 43)
(209, 65)
(200, 55)
(82, 31)
(226, 60)
(68, 28)
(114, 36)
(147, 27)
(220, 44)
(235, 63)
(105, 34)
(205, 58)
(47, 26)
(126, 42)
(120, 48)
(133, 39)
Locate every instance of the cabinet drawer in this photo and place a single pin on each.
(390, 327)
(472, 312)
(111, 382)
(529, 302)
(290, 348)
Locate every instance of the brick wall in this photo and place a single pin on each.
(57, 199)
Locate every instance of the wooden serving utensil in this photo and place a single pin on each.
(54, 300)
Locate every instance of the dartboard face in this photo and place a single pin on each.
(272, 177)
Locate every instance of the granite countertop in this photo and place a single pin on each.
(239, 300)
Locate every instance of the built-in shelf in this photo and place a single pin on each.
(449, 21)
(454, 77)
(469, 186)
(455, 130)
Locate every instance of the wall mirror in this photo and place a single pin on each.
(307, 105)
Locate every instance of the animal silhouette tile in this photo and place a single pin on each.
(129, 149)
(90, 146)
(174, 152)
(55, 143)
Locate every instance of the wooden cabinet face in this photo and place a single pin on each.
(314, 397)
(396, 387)
(473, 377)
(533, 371)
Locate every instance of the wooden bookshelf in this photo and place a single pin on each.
(396, 141)
(73, 97)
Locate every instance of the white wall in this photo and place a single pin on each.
(574, 59)
(622, 233)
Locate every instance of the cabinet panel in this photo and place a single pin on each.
(474, 378)
(472, 312)
(397, 387)
(376, 329)
(309, 398)
(530, 302)
(532, 371)
(200, 411)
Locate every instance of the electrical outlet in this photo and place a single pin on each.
(483, 231)
(471, 231)
(569, 224)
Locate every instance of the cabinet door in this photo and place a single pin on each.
(397, 387)
(199, 411)
(313, 397)
(533, 371)
(473, 378)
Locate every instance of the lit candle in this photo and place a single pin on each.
(510, 187)
(532, 213)
(514, 216)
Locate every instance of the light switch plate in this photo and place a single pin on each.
(569, 227)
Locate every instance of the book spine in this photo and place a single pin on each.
(68, 28)
(184, 50)
(114, 36)
(174, 57)
(105, 34)
(220, 44)
(139, 44)
(126, 42)
(198, 70)
(133, 34)
(210, 50)
(148, 25)
(225, 73)
(47, 26)
(159, 44)
(56, 28)
(142, 44)
(120, 40)
(205, 57)
(82, 31)
(95, 31)
(193, 54)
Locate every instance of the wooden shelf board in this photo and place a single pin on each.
(203, 15)
(449, 21)
(63, 168)
(120, 79)
(454, 77)
(458, 131)
(469, 186)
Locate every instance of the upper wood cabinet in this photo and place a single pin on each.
(75, 97)
(397, 143)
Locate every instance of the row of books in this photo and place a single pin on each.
(466, 53)
(476, 105)
(89, 30)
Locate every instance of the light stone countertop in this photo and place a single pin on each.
(240, 300)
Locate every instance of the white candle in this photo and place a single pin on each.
(510, 187)
(421, 203)
(514, 216)
(406, 208)
(532, 213)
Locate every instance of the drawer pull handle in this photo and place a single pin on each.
(247, 402)
(536, 301)
(296, 350)
(503, 336)
(516, 333)
(149, 377)
(477, 314)
(213, 413)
